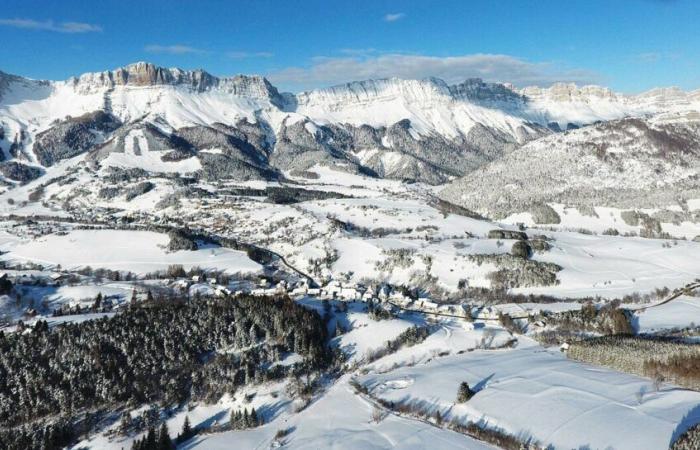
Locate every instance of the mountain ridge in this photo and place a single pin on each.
(143, 74)
(419, 130)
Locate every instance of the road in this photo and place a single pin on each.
(685, 290)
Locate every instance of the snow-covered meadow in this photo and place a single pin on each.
(532, 392)
(139, 252)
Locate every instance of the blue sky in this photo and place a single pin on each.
(629, 45)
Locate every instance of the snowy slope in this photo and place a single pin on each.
(136, 251)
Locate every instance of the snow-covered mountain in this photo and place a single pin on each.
(424, 130)
(627, 163)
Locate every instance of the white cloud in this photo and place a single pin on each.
(50, 25)
(499, 68)
(176, 49)
(243, 55)
(393, 17)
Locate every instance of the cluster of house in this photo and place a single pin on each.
(385, 295)
(388, 295)
(333, 290)
(208, 287)
(32, 229)
(34, 278)
(377, 294)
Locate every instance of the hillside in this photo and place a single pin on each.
(627, 163)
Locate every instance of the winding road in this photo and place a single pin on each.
(685, 290)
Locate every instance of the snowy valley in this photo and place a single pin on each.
(381, 264)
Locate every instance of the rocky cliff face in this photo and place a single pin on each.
(475, 90)
(143, 74)
(4, 82)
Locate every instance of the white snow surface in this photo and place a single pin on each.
(342, 420)
(136, 251)
(532, 392)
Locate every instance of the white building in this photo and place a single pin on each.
(348, 293)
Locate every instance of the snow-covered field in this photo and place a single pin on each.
(531, 392)
(681, 313)
(604, 219)
(137, 251)
(342, 420)
(612, 266)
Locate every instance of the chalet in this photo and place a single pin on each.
(333, 287)
(181, 285)
(260, 292)
(27, 280)
(348, 293)
(56, 276)
(221, 291)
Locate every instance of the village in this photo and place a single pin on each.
(31, 287)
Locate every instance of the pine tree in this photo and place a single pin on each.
(150, 441)
(164, 441)
(464, 393)
(187, 431)
(254, 418)
(125, 422)
(235, 420)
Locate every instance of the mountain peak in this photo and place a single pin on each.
(145, 74)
